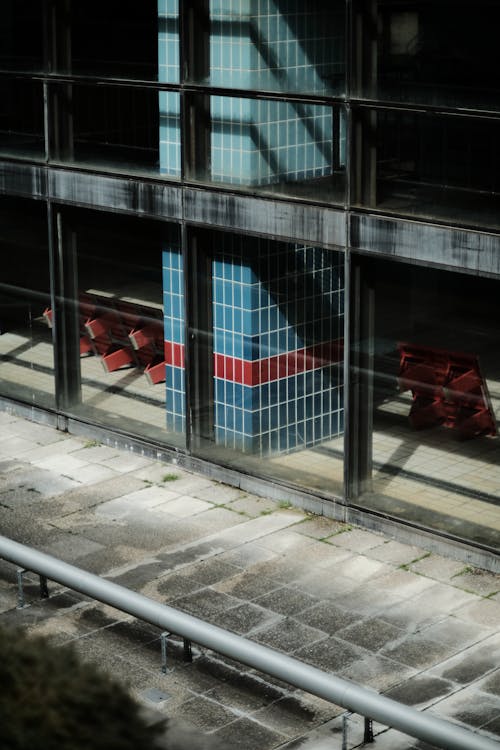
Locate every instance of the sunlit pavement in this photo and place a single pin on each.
(419, 627)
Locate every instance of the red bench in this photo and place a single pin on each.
(448, 389)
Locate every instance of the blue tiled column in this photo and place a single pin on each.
(169, 101)
(173, 306)
(278, 347)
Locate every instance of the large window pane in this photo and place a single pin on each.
(433, 166)
(124, 268)
(437, 52)
(284, 148)
(26, 353)
(267, 348)
(275, 46)
(119, 127)
(21, 118)
(125, 39)
(435, 390)
(21, 35)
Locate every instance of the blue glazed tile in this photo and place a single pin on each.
(178, 378)
(263, 395)
(237, 295)
(237, 319)
(264, 420)
(169, 400)
(177, 306)
(273, 392)
(246, 423)
(229, 418)
(228, 317)
(292, 438)
(218, 314)
(167, 305)
(300, 406)
(178, 403)
(309, 431)
(249, 397)
(283, 438)
(238, 395)
(284, 386)
(168, 329)
(177, 332)
(327, 425)
(239, 425)
(238, 346)
(219, 385)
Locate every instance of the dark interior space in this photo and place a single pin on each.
(115, 38)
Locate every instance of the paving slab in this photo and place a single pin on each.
(395, 618)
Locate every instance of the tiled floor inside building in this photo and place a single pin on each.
(429, 476)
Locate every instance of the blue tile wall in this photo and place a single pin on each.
(173, 322)
(268, 44)
(258, 44)
(169, 101)
(258, 142)
(290, 299)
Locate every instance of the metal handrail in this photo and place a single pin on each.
(342, 692)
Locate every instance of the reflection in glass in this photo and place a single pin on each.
(436, 166)
(434, 53)
(21, 39)
(126, 38)
(276, 332)
(21, 124)
(278, 147)
(435, 389)
(123, 128)
(26, 352)
(125, 333)
(276, 46)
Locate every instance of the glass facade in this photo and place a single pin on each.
(22, 118)
(117, 290)
(437, 52)
(433, 382)
(26, 342)
(432, 165)
(274, 46)
(21, 40)
(272, 383)
(263, 234)
(119, 127)
(278, 147)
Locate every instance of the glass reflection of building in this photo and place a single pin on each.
(265, 234)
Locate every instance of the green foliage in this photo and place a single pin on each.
(50, 700)
(170, 477)
(92, 444)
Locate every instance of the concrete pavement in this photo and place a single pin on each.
(416, 626)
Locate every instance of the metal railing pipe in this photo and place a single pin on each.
(335, 689)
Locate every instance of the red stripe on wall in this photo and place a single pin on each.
(174, 354)
(265, 370)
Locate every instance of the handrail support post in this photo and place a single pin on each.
(44, 589)
(368, 734)
(163, 643)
